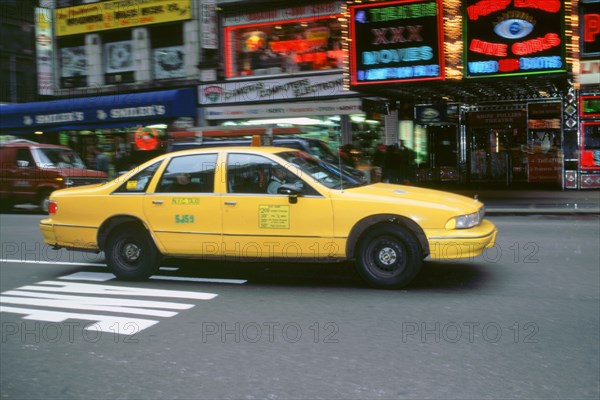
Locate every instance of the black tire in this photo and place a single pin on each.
(388, 257)
(131, 254)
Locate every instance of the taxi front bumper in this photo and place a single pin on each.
(461, 243)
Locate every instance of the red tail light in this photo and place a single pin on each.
(52, 207)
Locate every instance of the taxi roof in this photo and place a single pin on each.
(256, 149)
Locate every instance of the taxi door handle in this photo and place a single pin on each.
(157, 202)
(231, 203)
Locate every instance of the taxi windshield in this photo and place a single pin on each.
(325, 173)
(58, 158)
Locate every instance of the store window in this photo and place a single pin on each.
(306, 44)
(119, 64)
(168, 53)
(544, 143)
(73, 62)
(590, 154)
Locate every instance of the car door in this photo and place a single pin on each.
(257, 224)
(24, 175)
(183, 211)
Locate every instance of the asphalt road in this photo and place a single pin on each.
(522, 322)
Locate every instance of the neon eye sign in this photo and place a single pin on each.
(513, 37)
(513, 28)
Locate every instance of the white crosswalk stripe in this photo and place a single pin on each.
(69, 295)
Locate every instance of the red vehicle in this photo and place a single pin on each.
(30, 171)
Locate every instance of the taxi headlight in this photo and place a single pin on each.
(464, 221)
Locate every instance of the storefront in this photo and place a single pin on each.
(129, 128)
(587, 150)
(494, 105)
(519, 146)
(283, 68)
(435, 141)
(317, 105)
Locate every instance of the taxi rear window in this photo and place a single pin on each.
(139, 182)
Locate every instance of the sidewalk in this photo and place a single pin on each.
(536, 201)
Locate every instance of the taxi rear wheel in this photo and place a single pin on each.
(388, 257)
(131, 253)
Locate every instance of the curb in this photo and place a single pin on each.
(549, 211)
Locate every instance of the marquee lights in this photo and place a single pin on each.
(572, 45)
(453, 43)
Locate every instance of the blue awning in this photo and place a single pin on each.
(111, 111)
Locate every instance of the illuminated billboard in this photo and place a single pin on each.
(590, 29)
(396, 41)
(513, 37)
(117, 14)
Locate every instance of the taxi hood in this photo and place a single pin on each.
(418, 196)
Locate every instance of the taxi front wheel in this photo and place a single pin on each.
(131, 253)
(388, 257)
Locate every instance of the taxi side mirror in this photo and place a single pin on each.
(292, 191)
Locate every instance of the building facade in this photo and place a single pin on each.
(17, 51)
(500, 93)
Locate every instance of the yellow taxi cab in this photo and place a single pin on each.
(264, 204)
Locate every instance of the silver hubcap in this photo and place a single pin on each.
(387, 256)
(131, 252)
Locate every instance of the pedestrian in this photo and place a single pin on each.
(405, 160)
(392, 164)
(378, 162)
(101, 160)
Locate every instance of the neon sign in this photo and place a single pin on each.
(590, 29)
(513, 37)
(396, 41)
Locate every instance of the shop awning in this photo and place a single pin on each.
(111, 111)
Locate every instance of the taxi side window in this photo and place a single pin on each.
(247, 173)
(139, 182)
(189, 174)
(254, 174)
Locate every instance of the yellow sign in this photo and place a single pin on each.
(274, 217)
(117, 14)
(131, 185)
